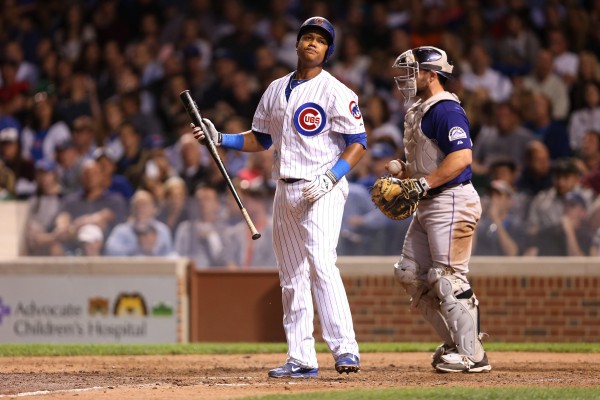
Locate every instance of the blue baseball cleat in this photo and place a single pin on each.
(290, 370)
(347, 363)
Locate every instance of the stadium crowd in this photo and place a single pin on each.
(94, 137)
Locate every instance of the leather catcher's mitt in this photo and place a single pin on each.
(397, 198)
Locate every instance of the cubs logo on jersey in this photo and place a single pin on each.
(354, 110)
(310, 119)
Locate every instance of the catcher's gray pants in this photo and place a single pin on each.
(440, 236)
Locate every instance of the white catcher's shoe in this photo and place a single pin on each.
(436, 357)
(455, 362)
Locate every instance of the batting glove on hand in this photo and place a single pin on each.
(200, 135)
(320, 185)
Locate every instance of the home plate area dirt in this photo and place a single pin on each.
(235, 376)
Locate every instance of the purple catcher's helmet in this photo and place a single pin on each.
(326, 27)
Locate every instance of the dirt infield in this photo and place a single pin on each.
(235, 376)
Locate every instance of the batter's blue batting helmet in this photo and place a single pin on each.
(325, 26)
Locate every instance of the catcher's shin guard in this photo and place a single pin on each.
(406, 271)
(422, 298)
(460, 313)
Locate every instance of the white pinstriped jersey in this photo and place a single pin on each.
(306, 129)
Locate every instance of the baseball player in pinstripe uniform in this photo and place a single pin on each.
(434, 263)
(314, 123)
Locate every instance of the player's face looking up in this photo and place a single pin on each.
(312, 47)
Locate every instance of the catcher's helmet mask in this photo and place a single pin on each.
(326, 27)
(421, 58)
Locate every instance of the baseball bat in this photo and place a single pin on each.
(194, 113)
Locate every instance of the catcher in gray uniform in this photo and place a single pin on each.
(434, 263)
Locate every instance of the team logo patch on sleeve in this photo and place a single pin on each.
(310, 119)
(354, 110)
(456, 133)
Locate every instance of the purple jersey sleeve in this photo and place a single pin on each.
(446, 123)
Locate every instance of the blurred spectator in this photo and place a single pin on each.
(577, 235)
(138, 106)
(352, 64)
(91, 205)
(258, 171)
(383, 127)
(242, 251)
(143, 58)
(44, 131)
(243, 41)
(42, 209)
(543, 79)
(565, 62)
(481, 76)
(506, 140)
(243, 95)
(193, 172)
(111, 181)
(112, 119)
(280, 44)
(23, 169)
(517, 49)
(175, 208)
(201, 237)
(133, 162)
(545, 222)
(7, 182)
(505, 171)
(381, 153)
(498, 232)
(585, 118)
(142, 233)
(375, 34)
(84, 136)
(595, 245)
(109, 24)
(365, 230)
(26, 70)
(535, 175)
(192, 41)
(81, 99)
(224, 65)
(552, 132)
(171, 106)
(69, 166)
(73, 32)
(90, 241)
(12, 89)
(156, 169)
(588, 71)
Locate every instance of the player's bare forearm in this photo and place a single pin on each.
(450, 168)
(353, 153)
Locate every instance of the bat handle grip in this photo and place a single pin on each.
(253, 230)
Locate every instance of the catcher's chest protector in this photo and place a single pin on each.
(423, 156)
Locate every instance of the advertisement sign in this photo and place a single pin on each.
(61, 307)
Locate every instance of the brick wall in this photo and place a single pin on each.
(521, 300)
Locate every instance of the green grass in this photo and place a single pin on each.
(15, 350)
(447, 393)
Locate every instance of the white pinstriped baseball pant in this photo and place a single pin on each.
(305, 236)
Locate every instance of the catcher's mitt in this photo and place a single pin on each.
(397, 198)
